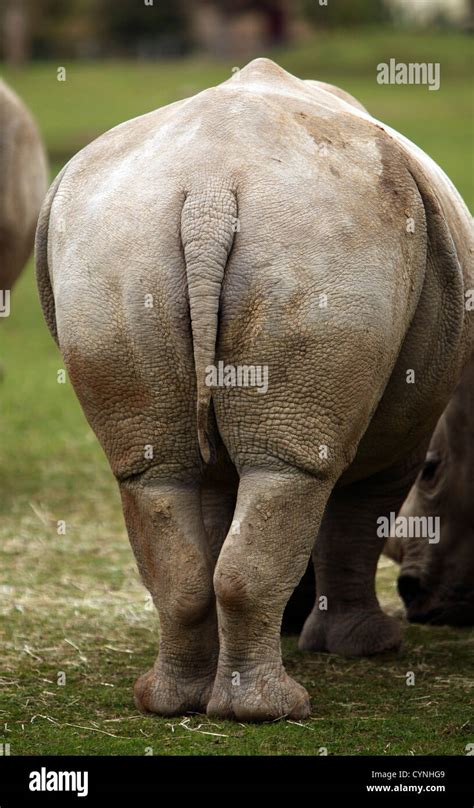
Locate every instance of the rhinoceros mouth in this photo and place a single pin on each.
(449, 614)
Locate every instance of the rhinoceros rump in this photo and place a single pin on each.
(23, 185)
(236, 212)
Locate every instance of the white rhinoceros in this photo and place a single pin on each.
(436, 580)
(23, 185)
(244, 286)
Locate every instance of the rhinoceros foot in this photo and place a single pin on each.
(352, 633)
(165, 694)
(262, 693)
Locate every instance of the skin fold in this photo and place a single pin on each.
(23, 184)
(436, 579)
(216, 229)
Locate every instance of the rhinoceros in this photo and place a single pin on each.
(23, 185)
(436, 580)
(259, 295)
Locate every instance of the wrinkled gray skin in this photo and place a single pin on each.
(23, 184)
(436, 579)
(322, 193)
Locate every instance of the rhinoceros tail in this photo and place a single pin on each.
(41, 258)
(208, 226)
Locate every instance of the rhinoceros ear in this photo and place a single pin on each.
(41, 259)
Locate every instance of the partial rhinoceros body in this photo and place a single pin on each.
(436, 578)
(272, 225)
(23, 185)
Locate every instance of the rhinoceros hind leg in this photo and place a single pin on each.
(263, 558)
(169, 541)
(346, 618)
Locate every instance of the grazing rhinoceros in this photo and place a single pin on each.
(23, 184)
(436, 578)
(242, 285)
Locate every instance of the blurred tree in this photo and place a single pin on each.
(15, 33)
(89, 28)
(45, 28)
(156, 28)
(276, 14)
(346, 12)
(440, 13)
(63, 29)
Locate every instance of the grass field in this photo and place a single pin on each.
(72, 604)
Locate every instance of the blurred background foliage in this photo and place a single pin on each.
(126, 57)
(39, 29)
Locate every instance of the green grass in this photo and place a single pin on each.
(73, 603)
(76, 607)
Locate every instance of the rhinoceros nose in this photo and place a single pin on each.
(409, 586)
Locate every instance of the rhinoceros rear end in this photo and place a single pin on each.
(23, 184)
